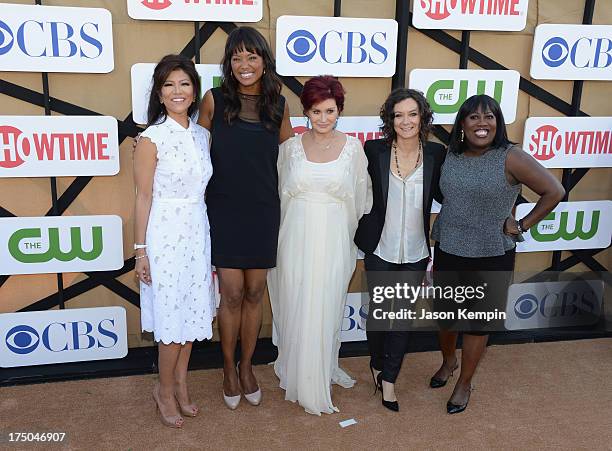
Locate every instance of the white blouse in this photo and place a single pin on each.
(402, 239)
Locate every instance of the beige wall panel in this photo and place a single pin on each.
(364, 96)
(212, 50)
(380, 9)
(555, 11)
(21, 291)
(10, 105)
(597, 98)
(602, 15)
(425, 53)
(512, 50)
(25, 196)
(605, 258)
(298, 8)
(29, 80)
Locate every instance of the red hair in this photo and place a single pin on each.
(321, 88)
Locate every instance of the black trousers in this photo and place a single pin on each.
(387, 348)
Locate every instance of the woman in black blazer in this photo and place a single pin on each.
(405, 171)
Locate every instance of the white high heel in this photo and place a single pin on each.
(254, 398)
(232, 401)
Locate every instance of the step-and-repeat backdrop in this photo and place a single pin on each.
(100, 57)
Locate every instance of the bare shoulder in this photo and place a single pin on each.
(207, 109)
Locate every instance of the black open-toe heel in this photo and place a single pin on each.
(377, 383)
(391, 405)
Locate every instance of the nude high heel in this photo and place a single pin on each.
(175, 421)
(254, 398)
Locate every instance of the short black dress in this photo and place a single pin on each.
(242, 195)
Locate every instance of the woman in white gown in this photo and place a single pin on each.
(325, 189)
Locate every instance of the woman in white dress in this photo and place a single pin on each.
(325, 189)
(171, 169)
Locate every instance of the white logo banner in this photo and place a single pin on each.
(48, 244)
(553, 304)
(55, 146)
(340, 46)
(569, 142)
(572, 52)
(59, 336)
(36, 38)
(142, 82)
(571, 225)
(197, 10)
(500, 15)
(447, 89)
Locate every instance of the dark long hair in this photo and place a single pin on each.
(270, 109)
(156, 112)
(387, 114)
(478, 102)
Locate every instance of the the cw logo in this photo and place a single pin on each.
(54, 250)
(434, 96)
(562, 232)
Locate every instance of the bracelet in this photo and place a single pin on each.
(139, 246)
(142, 256)
(519, 226)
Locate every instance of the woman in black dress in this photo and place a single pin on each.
(248, 118)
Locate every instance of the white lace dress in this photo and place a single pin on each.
(321, 204)
(179, 305)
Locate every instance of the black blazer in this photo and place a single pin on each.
(378, 153)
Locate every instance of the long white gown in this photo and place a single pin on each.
(321, 204)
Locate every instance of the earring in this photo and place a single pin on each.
(336, 124)
(462, 135)
(307, 122)
(264, 72)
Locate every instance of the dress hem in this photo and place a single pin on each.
(181, 342)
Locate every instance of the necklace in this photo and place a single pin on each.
(397, 166)
(324, 148)
(250, 97)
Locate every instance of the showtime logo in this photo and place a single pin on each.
(503, 15)
(199, 10)
(548, 140)
(156, 4)
(16, 148)
(48, 146)
(570, 142)
(163, 4)
(441, 9)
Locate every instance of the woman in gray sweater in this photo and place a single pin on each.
(475, 232)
